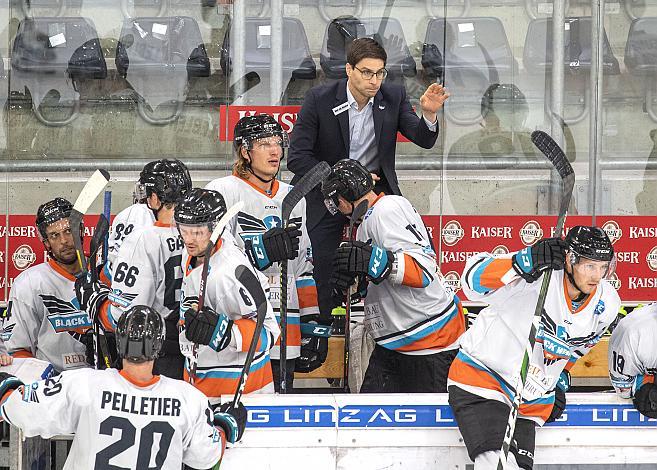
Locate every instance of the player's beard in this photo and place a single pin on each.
(66, 256)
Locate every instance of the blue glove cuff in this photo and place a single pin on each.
(257, 253)
(219, 336)
(564, 381)
(229, 424)
(378, 262)
(523, 260)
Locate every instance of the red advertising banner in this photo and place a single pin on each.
(20, 247)
(634, 239)
(285, 115)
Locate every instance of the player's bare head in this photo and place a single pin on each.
(196, 216)
(366, 67)
(590, 257)
(168, 179)
(259, 142)
(54, 229)
(348, 182)
(140, 334)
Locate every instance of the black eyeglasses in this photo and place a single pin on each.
(368, 74)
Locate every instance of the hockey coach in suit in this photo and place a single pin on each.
(355, 118)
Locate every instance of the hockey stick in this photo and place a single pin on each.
(216, 233)
(557, 157)
(249, 280)
(241, 86)
(306, 183)
(97, 240)
(88, 195)
(356, 214)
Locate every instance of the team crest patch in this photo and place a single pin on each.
(30, 393)
(600, 308)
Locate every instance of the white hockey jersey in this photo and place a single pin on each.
(633, 351)
(124, 223)
(44, 319)
(119, 423)
(261, 212)
(492, 349)
(147, 271)
(412, 311)
(217, 373)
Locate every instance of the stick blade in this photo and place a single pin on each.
(359, 210)
(307, 183)
(552, 152)
(92, 189)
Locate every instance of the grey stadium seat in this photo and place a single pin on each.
(641, 57)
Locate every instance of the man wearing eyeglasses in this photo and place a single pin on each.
(43, 318)
(356, 118)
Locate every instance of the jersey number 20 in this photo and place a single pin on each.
(127, 440)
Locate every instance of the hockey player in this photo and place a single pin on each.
(579, 306)
(225, 325)
(633, 359)
(259, 143)
(147, 268)
(43, 318)
(131, 418)
(129, 219)
(414, 319)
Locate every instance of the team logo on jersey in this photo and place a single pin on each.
(651, 258)
(554, 338)
(613, 230)
(614, 280)
(30, 392)
(600, 308)
(23, 257)
(65, 316)
(530, 233)
(118, 298)
(500, 250)
(452, 233)
(453, 280)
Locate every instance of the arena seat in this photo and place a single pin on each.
(50, 53)
(157, 56)
(387, 31)
(297, 61)
(641, 56)
(477, 55)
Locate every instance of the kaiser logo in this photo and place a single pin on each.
(452, 233)
(614, 281)
(613, 230)
(453, 280)
(531, 232)
(651, 258)
(500, 250)
(23, 257)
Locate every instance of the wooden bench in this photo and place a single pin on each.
(593, 365)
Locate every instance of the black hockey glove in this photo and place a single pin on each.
(363, 258)
(341, 281)
(8, 383)
(208, 327)
(91, 295)
(547, 253)
(645, 400)
(274, 245)
(232, 420)
(314, 343)
(559, 405)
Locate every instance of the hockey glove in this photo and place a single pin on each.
(232, 420)
(363, 258)
(314, 343)
(341, 281)
(563, 384)
(208, 327)
(91, 295)
(274, 245)
(530, 262)
(8, 383)
(645, 400)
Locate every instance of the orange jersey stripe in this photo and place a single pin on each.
(537, 410)
(247, 328)
(413, 274)
(491, 277)
(293, 336)
(22, 353)
(442, 337)
(307, 296)
(466, 374)
(215, 387)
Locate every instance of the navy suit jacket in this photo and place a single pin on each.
(319, 135)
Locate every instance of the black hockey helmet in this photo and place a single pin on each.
(169, 179)
(505, 94)
(50, 212)
(590, 243)
(349, 179)
(251, 128)
(200, 207)
(140, 334)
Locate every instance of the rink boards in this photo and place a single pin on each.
(368, 432)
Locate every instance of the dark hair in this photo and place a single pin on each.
(365, 48)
